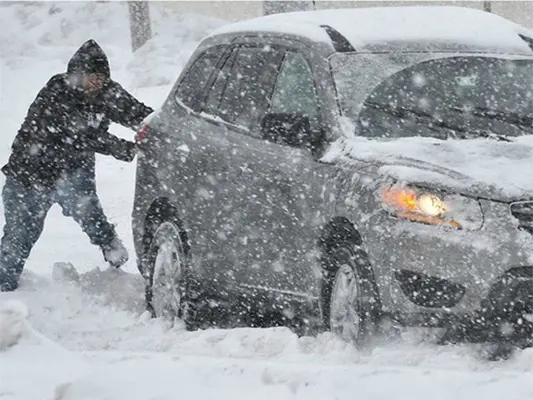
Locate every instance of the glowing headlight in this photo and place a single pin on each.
(433, 208)
(431, 205)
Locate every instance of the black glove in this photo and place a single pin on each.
(128, 152)
(107, 144)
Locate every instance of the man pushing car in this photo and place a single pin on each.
(53, 159)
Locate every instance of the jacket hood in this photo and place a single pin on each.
(484, 168)
(89, 58)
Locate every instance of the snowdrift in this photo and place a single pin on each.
(51, 32)
(145, 360)
(12, 323)
(31, 366)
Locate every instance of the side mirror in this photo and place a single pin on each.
(288, 129)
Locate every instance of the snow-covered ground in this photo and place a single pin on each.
(60, 341)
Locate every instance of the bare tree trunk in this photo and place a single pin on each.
(140, 27)
(487, 6)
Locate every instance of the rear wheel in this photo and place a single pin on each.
(167, 269)
(349, 297)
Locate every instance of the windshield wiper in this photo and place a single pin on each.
(419, 115)
(522, 121)
(425, 117)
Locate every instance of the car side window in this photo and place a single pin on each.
(214, 97)
(197, 76)
(240, 95)
(295, 91)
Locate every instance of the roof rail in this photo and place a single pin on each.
(340, 43)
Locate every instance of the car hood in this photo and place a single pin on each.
(487, 168)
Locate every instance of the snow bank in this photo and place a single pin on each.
(45, 31)
(176, 37)
(52, 31)
(148, 361)
(139, 377)
(31, 366)
(115, 354)
(12, 323)
(92, 317)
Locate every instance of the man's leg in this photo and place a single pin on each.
(25, 210)
(78, 199)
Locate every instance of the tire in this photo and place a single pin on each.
(350, 304)
(167, 273)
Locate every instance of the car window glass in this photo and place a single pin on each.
(214, 97)
(197, 76)
(444, 96)
(246, 87)
(295, 91)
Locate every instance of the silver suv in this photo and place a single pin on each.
(336, 169)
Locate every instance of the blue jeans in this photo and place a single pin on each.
(25, 210)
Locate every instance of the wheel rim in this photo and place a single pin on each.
(166, 292)
(344, 316)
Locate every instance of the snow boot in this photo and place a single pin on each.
(115, 253)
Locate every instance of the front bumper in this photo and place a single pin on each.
(468, 262)
(505, 314)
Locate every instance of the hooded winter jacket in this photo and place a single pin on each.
(64, 127)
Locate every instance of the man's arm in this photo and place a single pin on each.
(107, 144)
(124, 109)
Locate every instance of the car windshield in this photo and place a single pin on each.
(442, 96)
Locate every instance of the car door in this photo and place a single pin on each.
(236, 99)
(193, 166)
(289, 191)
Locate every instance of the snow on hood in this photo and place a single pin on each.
(487, 168)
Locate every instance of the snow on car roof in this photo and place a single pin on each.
(364, 27)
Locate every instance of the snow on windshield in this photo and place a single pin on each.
(442, 96)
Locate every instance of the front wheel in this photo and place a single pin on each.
(349, 296)
(167, 268)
